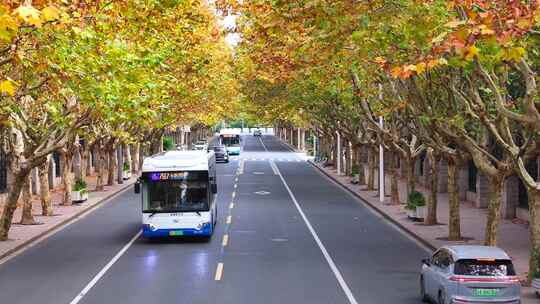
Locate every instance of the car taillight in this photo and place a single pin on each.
(462, 279)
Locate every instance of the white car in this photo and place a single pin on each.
(469, 274)
(200, 145)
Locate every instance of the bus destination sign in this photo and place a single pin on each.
(162, 176)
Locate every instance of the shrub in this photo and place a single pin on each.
(355, 170)
(415, 199)
(79, 185)
(536, 272)
(168, 143)
(126, 167)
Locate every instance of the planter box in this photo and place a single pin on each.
(411, 214)
(77, 196)
(355, 179)
(126, 175)
(421, 212)
(536, 285)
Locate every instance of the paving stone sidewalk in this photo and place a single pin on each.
(22, 235)
(512, 237)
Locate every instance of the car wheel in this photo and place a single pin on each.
(423, 294)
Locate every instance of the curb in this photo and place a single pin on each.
(51, 230)
(408, 231)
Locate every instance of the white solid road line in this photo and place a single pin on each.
(327, 256)
(102, 272)
(274, 167)
(262, 143)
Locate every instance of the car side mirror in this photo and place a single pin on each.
(214, 188)
(426, 262)
(137, 188)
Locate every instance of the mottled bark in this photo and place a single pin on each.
(100, 168)
(494, 210)
(411, 177)
(431, 218)
(14, 192)
(27, 218)
(135, 158)
(454, 220)
(394, 181)
(534, 231)
(120, 167)
(371, 169)
(67, 179)
(113, 163)
(45, 195)
(77, 164)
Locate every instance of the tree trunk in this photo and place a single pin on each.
(67, 179)
(534, 232)
(371, 169)
(431, 218)
(14, 192)
(100, 168)
(127, 156)
(84, 162)
(454, 220)
(361, 166)
(411, 177)
(494, 209)
(45, 195)
(394, 181)
(77, 164)
(120, 168)
(135, 158)
(112, 165)
(27, 218)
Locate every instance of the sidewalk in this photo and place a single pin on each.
(513, 235)
(22, 235)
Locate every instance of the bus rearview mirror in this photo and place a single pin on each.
(214, 188)
(137, 188)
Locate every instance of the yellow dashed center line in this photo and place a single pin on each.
(229, 219)
(225, 240)
(235, 186)
(219, 272)
(231, 206)
(234, 194)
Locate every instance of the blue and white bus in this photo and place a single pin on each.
(230, 138)
(179, 191)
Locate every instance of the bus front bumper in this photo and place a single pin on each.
(206, 230)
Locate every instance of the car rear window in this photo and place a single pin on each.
(475, 267)
(219, 149)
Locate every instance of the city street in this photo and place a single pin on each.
(285, 234)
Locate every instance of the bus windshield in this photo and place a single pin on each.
(230, 140)
(175, 192)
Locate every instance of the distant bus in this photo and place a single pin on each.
(230, 138)
(178, 194)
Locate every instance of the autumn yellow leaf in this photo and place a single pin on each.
(420, 68)
(514, 54)
(8, 87)
(29, 15)
(50, 13)
(472, 52)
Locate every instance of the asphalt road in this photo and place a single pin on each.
(290, 236)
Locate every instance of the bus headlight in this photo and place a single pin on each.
(202, 225)
(152, 227)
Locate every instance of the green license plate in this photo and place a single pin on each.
(486, 292)
(176, 233)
